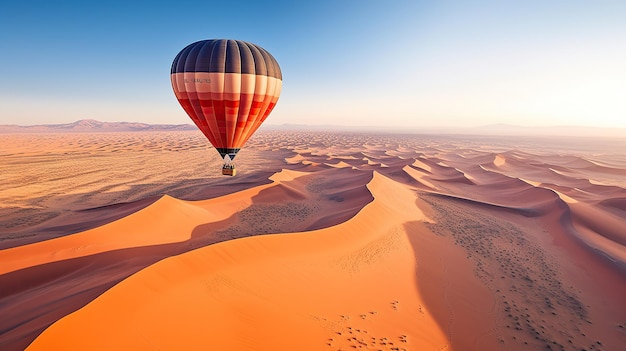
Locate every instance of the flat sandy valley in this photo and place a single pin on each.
(323, 241)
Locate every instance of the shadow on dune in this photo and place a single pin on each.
(35, 297)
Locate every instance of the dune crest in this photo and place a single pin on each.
(176, 220)
(499, 161)
(173, 225)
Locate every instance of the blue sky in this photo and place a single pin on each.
(357, 63)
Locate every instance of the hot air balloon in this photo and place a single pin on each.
(228, 88)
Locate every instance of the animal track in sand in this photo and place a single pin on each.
(353, 336)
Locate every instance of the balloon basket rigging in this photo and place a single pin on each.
(229, 169)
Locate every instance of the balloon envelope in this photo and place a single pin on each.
(228, 88)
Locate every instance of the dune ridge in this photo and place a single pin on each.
(388, 242)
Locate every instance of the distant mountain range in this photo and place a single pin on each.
(90, 125)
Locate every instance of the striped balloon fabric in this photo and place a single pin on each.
(228, 88)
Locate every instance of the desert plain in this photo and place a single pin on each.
(323, 241)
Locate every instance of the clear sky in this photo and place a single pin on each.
(363, 62)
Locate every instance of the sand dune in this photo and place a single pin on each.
(324, 241)
(121, 248)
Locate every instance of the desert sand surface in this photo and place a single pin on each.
(323, 241)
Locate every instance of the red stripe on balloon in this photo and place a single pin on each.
(227, 123)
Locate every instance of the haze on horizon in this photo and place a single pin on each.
(366, 63)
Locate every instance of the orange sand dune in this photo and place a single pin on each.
(323, 241)
(121, 248)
